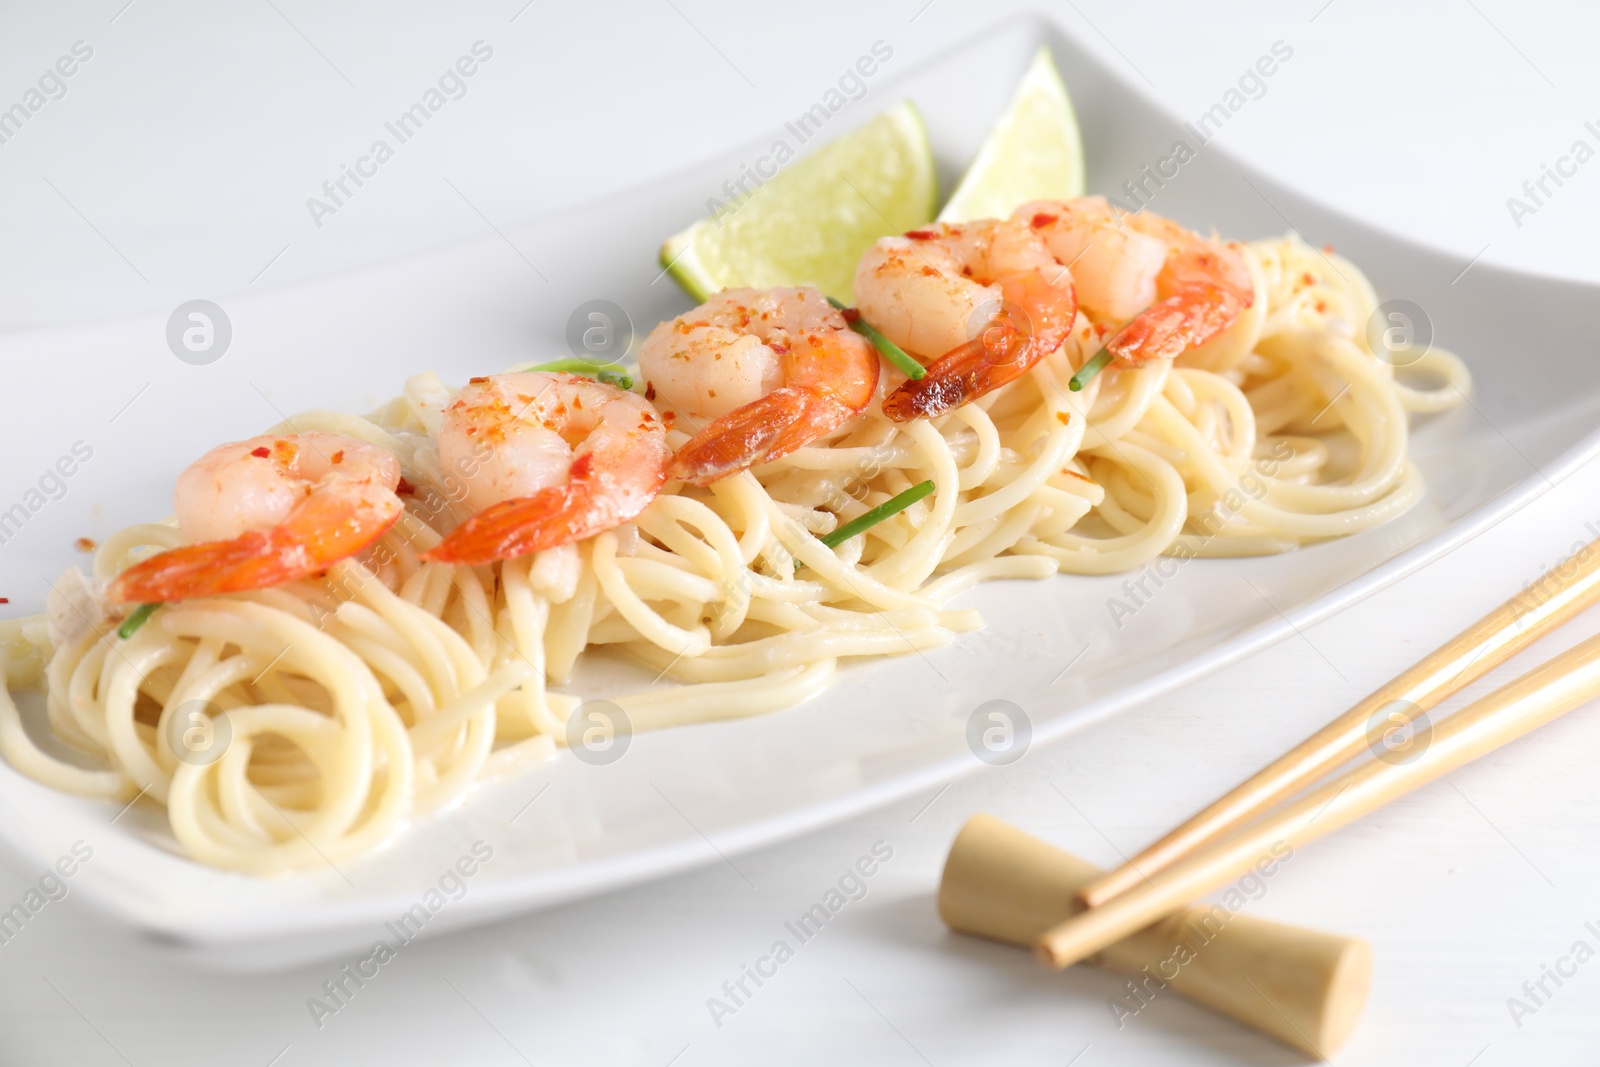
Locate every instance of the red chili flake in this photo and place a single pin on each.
(1321, 306)
(921, 235)
(1042, 220)
(261, 453)
(84, 544)
(471, 430)
(476, 381)
(1063, 417)
(850, 314)
(1308, 279)
(337, 457)
(1327, 250)
(649, 390)
(5, 600)
(405, 488)
(930, 272)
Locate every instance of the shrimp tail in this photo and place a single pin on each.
(327, 526)
(1188, 318)
(985, 363)
(589, 503)
(766, 429)
(1037, 316)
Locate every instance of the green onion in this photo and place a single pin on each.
(584, 367)
(891, 351)
(136, 620)
(888, 509)
(1090, 369)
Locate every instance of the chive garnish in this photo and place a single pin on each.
(135, 620)
(890, 351)
(1087, 372)
(584, 367)
(888, 509)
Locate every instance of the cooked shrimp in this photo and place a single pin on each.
(269, 510)
(774, 369)
(1174, 289)
(978, 303)
(567, 457)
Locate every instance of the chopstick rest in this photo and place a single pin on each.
(1304, 987)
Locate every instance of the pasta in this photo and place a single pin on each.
(304, 723)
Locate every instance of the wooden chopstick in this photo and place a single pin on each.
(1558, 595)
(1544, 693)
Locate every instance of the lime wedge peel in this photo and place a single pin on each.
(811, 223)
(1033, 152)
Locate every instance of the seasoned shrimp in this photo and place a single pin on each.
(1174, 289)
(775, 369)
(978, 303)
(567, 457)
(269, 510)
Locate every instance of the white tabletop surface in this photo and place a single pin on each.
(177, 165)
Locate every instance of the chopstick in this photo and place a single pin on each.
(1557, 596)
(1544, 693)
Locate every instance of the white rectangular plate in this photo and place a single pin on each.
(682, 797)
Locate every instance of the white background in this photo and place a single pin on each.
(178, 165)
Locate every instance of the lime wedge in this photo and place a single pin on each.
(811, 223)
(1033, 152)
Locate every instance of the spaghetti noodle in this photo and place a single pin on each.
(384, 688)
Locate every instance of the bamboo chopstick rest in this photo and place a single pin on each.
(1303, 987)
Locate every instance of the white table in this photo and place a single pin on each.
(177, 164)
